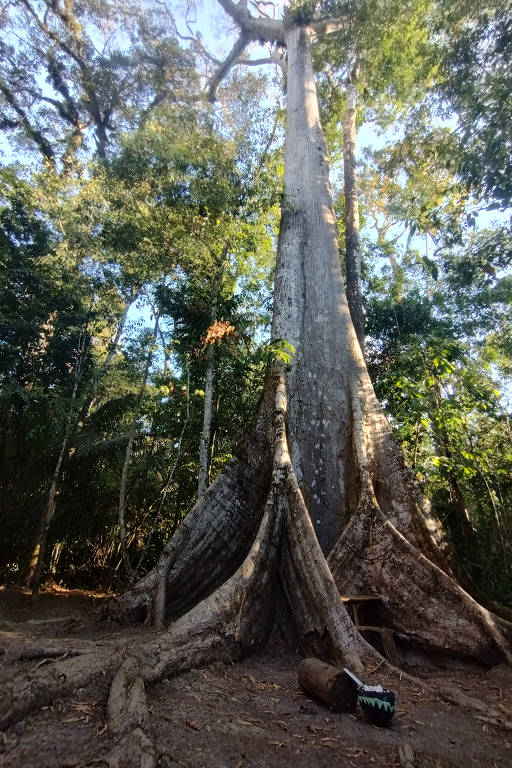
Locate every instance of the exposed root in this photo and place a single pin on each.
(252, 531)
(385, 479)
(425, 605)
(465, 580)
(15, 648)
(499, 716)
(234, 620)
(323, 623)
(34, 689)
(396, 490)
(217, 533)
(45, 654)
(128, 719)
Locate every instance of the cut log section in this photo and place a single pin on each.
(328, 684)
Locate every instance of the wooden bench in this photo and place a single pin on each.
(353, 604)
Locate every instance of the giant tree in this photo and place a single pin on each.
(320, 444)
(319, 499)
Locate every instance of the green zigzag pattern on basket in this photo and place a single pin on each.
(376, 703)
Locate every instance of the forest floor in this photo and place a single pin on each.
(248, 714)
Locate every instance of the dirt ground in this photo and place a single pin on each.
(248, 714)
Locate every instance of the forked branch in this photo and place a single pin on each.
(277, 56)
(226, 65)
(263, 29)
(254, 28)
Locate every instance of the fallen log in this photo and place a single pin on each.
(328, 684)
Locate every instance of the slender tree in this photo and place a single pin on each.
(129, 450)
(352, 236)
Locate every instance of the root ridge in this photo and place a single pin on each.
(128, 719)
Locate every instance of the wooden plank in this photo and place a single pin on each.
(368, 628)
(361, 598)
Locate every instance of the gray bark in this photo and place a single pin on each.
(352, 236)
(311, 310)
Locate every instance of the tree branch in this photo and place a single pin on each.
(196, 42)
(274, 58)
(44, 145)
(256, 62)
(253, 28)
(87, 79)
(250, 29)
(257, 5)
(55, 70)
(237, 11)
(226, 65)
(328, 25)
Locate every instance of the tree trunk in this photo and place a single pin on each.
(321, 460)
(204, 443)
(310, 309)
(32, 576)
(352, 237)
(128, 455)
(166, 488)
(112, 349)
(462, 527)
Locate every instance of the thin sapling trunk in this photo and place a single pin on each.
(352, 235)
(34, 570)
(128, 455)
(205, 440)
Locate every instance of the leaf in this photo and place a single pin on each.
(406, 755)
(279, 349)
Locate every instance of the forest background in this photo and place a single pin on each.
(137, 237)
